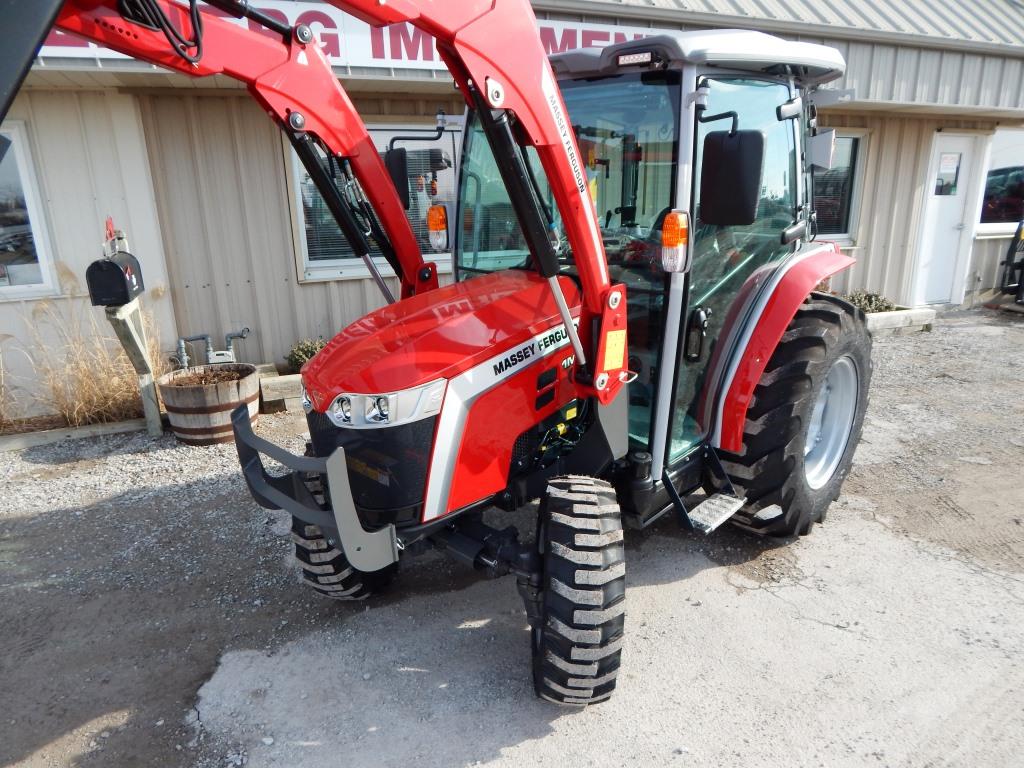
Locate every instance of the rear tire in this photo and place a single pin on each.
(577, 645)
(805, 420)
(326, 569)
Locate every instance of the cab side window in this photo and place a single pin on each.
(725, 256)
(722, 253)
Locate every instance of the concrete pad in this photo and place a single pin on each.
(48, 436)
(823, 665)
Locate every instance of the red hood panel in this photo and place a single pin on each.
(434, 335)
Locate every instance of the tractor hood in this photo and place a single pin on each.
(434, 335)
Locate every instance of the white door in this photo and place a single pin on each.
(946, 228)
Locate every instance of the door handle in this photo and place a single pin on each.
(960, 227)
(696, 331)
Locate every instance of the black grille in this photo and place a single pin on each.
(387, 466)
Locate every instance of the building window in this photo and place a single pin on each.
(1004, 188)
(24, 257)
(327, 255)
(835, 189)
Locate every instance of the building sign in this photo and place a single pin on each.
(349, 42)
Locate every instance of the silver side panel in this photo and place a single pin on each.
(677, 284)
(667, 374)
(614, 419)
(365, 550)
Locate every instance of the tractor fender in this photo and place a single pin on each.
(756, 337)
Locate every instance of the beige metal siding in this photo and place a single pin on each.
(981, 25)
(884, 75)
(89, 153)
(895, 172)
(220, 176)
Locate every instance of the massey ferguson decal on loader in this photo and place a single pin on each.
(632, 332)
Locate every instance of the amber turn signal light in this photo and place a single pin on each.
(437, 227)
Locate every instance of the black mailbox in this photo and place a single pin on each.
(115, 281)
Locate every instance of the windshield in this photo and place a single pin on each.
(627, 130)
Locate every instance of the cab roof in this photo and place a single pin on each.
(736, 49)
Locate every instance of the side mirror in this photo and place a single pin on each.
(396, 160)
(732, 167)
(820, 149)
(791, 110)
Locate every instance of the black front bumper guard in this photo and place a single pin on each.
(365, 550)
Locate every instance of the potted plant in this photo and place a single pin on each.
(199, 400)
(885, 317)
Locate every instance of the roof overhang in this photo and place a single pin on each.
(743, 50)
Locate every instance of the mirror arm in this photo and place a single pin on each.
(794, 232)
(720, 116)
(438, 132)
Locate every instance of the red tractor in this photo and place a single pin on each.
(634, 319)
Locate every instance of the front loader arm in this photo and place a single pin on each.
(291, 79)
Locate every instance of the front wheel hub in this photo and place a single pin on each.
(831, 423)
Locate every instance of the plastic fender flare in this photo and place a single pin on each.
(763, 333)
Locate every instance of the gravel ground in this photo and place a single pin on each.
(149, 613)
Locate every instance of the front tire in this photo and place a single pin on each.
(805, 420)
(326, 570)
(577, 645)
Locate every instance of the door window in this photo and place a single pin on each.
(949, 174)
(725, 256)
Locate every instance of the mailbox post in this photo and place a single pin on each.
(115, 283)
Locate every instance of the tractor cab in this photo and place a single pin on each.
(696, 150)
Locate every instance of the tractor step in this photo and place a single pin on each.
(713, 511)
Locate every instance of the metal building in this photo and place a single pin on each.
(926, 193)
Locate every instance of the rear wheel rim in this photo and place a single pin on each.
(831, 422)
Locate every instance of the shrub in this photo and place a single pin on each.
(870, 302)
(303, 352)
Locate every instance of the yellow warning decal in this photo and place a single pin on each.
(614, 350)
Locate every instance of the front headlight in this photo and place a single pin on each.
(340, 411)
(378, 410)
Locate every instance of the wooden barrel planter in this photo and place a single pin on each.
(200, 414)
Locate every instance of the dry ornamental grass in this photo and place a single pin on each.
(82, 372)
(7, 402)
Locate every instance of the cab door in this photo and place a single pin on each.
(724, 257)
